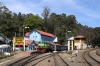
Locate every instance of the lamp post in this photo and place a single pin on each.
(66, 34)
(23, 29)
(23, 36)
(67, 39)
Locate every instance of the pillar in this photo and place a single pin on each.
(14, 44)
(72, 45)
(24, 44)
(68, 45)
(80, 44)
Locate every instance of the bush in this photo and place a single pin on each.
(2, 56)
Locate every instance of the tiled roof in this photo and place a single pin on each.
(45, 33)
(42, 33)
(28, 42)
(79, 36)
(27, 34)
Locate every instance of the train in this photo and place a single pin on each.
(49, 47)
(44, 47)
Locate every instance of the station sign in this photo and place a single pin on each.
(18, 40)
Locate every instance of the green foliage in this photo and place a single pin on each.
(96, 37)
(11, 24)
(45, 15)
(56, 24)
(2, 55)
(33, 22)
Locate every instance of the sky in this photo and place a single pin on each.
(87, 12)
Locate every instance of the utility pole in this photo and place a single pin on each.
(24, 37)
(67, 43)
(66, 35)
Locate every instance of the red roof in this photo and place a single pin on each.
(45, 33)
(27, 34)
(79, 36)
(42, 33)
(28, 42)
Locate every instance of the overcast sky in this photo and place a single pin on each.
(87, 12)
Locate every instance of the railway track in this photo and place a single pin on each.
(89, 59)
(32, 60)
(38, 59)
(23, 60)
(59, 61)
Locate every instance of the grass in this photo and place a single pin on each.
(69, 52)
(3, 58)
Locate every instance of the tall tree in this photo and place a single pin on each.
(96, 39)
(33, 22)
(5, 20)
(45, 14)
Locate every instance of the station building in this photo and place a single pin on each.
(32, 38)
(77, 43)
(80, 42)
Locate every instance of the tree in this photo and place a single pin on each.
(33, 22)
(45, 14)
(96, 39)
(5, 21)
(57, 24)
(88, 33)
